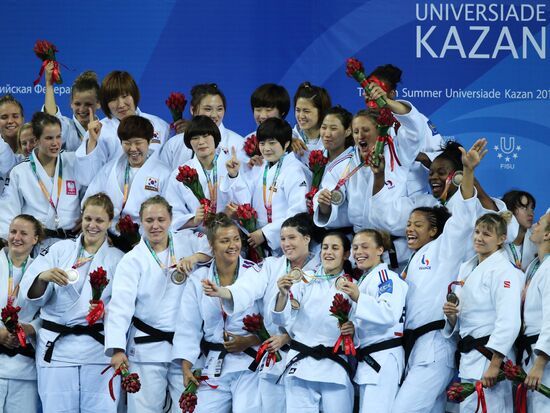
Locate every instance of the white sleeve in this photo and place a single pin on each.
(11, 204)
(245, 291)
(121, 308)
(505, 294)
(543, 343)
(7, 157)
(411, 136)
(182, 200)
(45, 261)
(328, 182)
(189, 332)
(87, 165)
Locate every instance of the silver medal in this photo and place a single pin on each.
(457, 178)
(177, 277)
(337, 197)
(72, 275)
(339, 283)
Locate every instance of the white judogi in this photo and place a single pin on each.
(174, 153)
(109, 146)
(145, 182)
(18, 389)
(7, 161)
(489, 306)
(428, 273)
(378, 317)
(144, 290)
(200, 318)
(311, 383)
(23, 194)
(74, 356)
(521, 255)
(536, 321)
(183, 201)
(288, 194)
(312, 144)
(265, 288)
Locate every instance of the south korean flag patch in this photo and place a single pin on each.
(152, 184)
(386, 284)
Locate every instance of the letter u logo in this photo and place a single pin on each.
(507, 148)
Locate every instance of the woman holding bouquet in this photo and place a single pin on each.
(276, 189)
(437, 242)
(338, 143)
(146, 294)
(379, 315)
(203, 138)
(203, 325)
(119, 98)
(18, 374)
(296, 236)
(315, 376)
(130, 179)
(207, 99)
(488, 319)
(534, 342)
(70, 351)
(45, 185)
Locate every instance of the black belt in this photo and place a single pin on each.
(468, 343)
(153, 335)
(207, 346)
(525, 343)
(60, 233)
(364, 353)
(410, 336)
(93, 331)
(318, 353)
(24, 351)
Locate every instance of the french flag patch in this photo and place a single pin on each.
(506, 284)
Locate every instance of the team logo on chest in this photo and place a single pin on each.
(70, 187)
(152, 184)
(425, 263)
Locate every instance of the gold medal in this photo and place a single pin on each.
(296, 275)
(453, 298)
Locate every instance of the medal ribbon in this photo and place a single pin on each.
(517, 258)
(173, 260)
(217, 281)
(480, 398)
(530, 274)
(365, 275)
(80, 259)
(12, 292)
(212, 183)
(268, 202)
(45, 191)
(404, 272)
(126, 188)
(344, 178)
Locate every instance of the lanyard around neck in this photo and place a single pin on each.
(13, 290)
(173, 260)
(268, 201)
(45, 191)
(212, 182)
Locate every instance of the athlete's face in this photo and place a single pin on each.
(95, 223)
(211, 106)
(156, 221)
(333, 254)
(366, 252)
(122, 106)
(49, 143)
(486, 240)
(11, 120)
(226, 245)
(295, 246)
(419, 230)
(21, 237)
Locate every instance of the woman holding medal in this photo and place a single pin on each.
(146, 294)
(69, 354)
(296, 236)
(314, 376)
(44, 185)
(19, 391)
(378, 317)
(204, 325)
(534, 341)
(276, 189)
(135, 176)
(203, 138)
(488, 319)
(437, 241)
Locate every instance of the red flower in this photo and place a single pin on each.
(187, 175)
(98, 280)
(130, 382)
(309, 199)
(176, 102)
(45, 50)
(188, 399)
(251, 146)
(353, 66)
(254, 324)
(340, 309)
(385, 117)
(458, 392)
(10, 317)
(248, 218)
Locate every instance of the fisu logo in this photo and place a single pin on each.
(507, 151)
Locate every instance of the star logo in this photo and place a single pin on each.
(507, 151)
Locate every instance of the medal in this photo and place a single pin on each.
(72, 275)
(451, 296)
(177, 277)
(296, 275)
(340, 281)
(457, 178)
(337, 197)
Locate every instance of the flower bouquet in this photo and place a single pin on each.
(129, 230)
(517, 375)
(176, 102)
(354, 68)
(340, 309)
(190, 178)
(384, 122)
(251, 146)
(46, 52)
(254, 324)
(98, 280)
(10, 318)
(248, 219)
(188, 399)
(129, 383)
(317, 163)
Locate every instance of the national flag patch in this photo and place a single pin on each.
(152, 184)
(156, 138)
(70, 187)
(506, 284)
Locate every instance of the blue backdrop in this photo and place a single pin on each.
(475, 69)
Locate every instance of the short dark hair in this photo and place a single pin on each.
(135, 126)
(40, 120)
(115, 84)
(451, 152)
(198, 92)
(201, 125)
(271, 95)
(345, 118)
(275, 128)
(512, 199)
(436, 216)
(389, 74)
